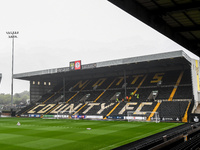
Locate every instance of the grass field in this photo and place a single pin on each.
(52, 134)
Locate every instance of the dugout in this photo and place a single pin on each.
(44, 81)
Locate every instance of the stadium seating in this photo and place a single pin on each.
(193, 143)
(183, 92)
(25, 109)
(101, 91)
(172, 110)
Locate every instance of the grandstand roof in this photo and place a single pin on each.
(178, 20)
(142, 64)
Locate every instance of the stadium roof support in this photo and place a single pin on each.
(178, 20)
(109, 67)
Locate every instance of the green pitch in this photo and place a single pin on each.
(46, 134)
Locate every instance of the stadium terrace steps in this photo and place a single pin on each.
(108, 114)
(73, 96)
(104, 90)
(176, 86)
(164, 92)
(84, 85)
(106, 96)
(154, 110)
(185, 117)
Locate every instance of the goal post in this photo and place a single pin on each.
(143, 116)
(67, 115)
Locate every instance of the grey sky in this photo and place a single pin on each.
(52, 33)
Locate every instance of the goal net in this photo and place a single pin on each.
(143, 116)
(67, 115)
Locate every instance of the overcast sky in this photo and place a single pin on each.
(54, 32)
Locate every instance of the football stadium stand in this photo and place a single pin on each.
(165, 83)
(162, 87)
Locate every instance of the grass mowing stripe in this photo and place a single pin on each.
(45, 143)
(137, 137)
(36, 133)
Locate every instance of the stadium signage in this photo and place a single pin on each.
(34, 115)
(115, 117)
(89, 66)
(78, 116)
(62, 69)
(93, 117)
(194, 117)
(23, 115)
(170, 119)
(135, 117)
(98, 107)
(12, 34)
(75, 65)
